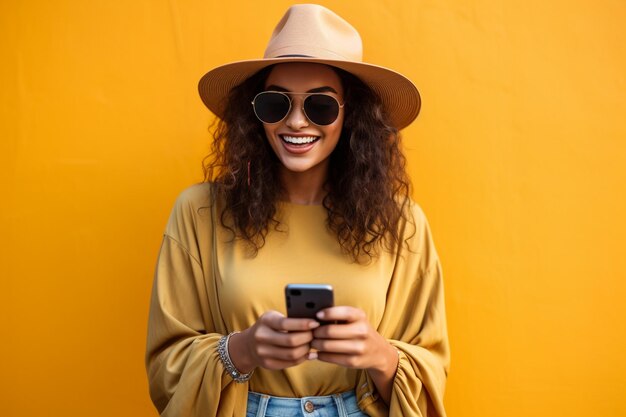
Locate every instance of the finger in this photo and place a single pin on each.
(283, 354)
(269, 336)
(348, 361)
(275, 364)
(279, 322)
(341, 313)
(351, 347)
(355, 330)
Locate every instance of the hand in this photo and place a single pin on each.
(273, 342)
(354, 343)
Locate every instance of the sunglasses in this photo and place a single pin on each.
(273, 106)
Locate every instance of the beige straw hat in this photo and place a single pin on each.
(312, 33)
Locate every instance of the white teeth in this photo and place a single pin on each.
(300, 140)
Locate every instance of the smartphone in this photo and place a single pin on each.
(305, 300)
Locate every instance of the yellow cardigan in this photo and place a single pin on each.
(207, 285)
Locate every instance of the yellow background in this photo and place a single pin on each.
(517, 158)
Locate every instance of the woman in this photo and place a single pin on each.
(306, 184)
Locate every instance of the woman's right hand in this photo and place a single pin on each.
(273, 342)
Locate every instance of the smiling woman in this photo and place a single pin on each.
(302, 146)
(305, 183)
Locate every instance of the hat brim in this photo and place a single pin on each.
(399, 95)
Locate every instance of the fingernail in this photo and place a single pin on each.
(320, 314)
(312, 356)
(313, 325)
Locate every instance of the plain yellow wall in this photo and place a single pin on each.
(518, 159)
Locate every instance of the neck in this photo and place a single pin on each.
(307, 187)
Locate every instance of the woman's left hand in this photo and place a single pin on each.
(354, 343)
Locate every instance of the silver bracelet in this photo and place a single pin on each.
(222, 350)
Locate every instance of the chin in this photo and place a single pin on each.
(297, 167)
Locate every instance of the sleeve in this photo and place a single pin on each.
(414, 322)
(186, 377)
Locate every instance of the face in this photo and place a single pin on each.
(302, 146)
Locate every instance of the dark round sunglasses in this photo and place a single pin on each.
(273, 106)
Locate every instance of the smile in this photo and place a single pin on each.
(299, 140)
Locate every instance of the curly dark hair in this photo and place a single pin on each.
(367, 188)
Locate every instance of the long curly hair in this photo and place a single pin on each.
(367, 188)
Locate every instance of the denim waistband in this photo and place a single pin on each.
(336, 405)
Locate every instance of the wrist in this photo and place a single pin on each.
(384, 373)
(388, 364)
(238, 348)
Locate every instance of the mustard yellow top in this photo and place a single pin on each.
(207, 285)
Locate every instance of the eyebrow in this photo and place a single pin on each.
(324, 89)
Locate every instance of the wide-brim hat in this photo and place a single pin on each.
(313, 34)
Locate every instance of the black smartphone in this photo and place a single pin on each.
(305, 300)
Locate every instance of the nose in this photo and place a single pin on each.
(296, 119)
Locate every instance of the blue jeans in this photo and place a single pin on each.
(336, 405)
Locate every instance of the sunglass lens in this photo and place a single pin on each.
(321, 109)
(271, 107)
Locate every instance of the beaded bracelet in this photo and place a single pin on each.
(222, 350)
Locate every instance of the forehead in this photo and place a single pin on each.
(302, 77)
